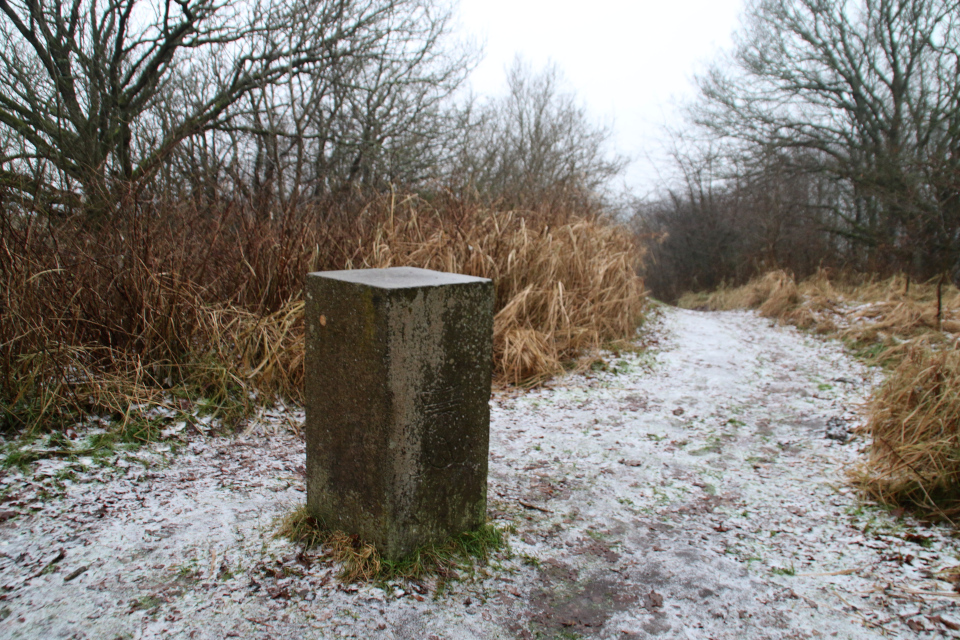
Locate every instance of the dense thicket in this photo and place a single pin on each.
(172, 169)
(206, 306)
(833, 138)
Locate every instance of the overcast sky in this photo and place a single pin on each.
(630, 62)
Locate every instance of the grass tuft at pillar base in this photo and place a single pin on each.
(362, 562)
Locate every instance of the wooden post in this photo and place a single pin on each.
(943, 276)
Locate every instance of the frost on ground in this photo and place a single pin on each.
(697, 491)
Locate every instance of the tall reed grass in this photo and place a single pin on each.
(562, 290)
(168, 304)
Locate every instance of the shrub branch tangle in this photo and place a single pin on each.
(534, 144)
(98, 96)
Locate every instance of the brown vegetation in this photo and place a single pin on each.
(914, 421)
(562, 289)
(878, 316)
(147, 309)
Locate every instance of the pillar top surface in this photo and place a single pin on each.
(399, 277)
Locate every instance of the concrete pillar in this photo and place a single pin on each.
(398, 369)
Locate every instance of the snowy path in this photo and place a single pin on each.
(690, 494)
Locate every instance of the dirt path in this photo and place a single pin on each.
(691, 493)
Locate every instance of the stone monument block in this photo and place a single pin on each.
(398, 369)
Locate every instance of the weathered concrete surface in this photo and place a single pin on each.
(398, 369)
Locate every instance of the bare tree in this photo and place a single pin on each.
(381, 116)
(104, 90)
(726, 218)
(869, 92)
(534, 141)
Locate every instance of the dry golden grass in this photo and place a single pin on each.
(772, 293)
(867, 312)
(562, 291)
(914, 418)
(914, 422)
(359, 561)
(155, 307)
(265, 351)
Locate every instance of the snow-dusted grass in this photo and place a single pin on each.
(688, 492)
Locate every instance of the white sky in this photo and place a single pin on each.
(630, 62)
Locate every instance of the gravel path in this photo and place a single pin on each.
(695, 491)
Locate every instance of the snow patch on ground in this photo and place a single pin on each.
(694, 491)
